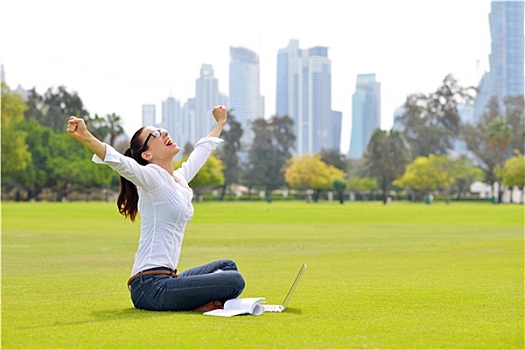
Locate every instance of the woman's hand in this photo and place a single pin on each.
(220, 114)
(76, 127)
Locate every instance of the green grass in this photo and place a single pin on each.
(398, 276)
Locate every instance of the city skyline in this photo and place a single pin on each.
(119, 60)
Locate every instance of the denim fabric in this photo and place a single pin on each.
(218, 280)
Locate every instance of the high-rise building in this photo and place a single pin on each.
(304, 93)
(206, 97)
(246, 103)
(188, 112)
(366, 113)
(172, 120)
(148, 114)
(506, 60)
(2, 73)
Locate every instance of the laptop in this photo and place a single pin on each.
(281, 308)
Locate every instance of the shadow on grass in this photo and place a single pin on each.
(129, 314)
(114, 315)
(290, 310)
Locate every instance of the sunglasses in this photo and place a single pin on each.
(155, 133)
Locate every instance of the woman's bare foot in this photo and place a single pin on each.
(212, 305)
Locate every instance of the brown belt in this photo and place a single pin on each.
(151, 272)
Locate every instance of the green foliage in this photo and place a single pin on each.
(497, 135)
(386, 158)
(339, 186)
(422, 175)
(431, 122)
(362, 185)
(271, 148)
(15, 152)
(36, 152)
(401, 276)
(513, 172)
(229, 151)
(427, 174)
(310, 172)
(210, 175)
(54, 107)
(335, 158)
(106, 129)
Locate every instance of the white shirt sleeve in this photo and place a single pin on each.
(142, 176)
(198, 157)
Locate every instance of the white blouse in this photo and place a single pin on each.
(164, 203)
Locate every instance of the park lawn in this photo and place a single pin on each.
(403, 275)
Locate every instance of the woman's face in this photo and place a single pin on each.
(158, 145)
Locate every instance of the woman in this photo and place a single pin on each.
(149, 186)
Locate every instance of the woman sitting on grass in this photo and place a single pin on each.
(150, 186)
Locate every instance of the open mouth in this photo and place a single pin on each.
(169, 142)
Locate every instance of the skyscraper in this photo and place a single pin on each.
(246, 102)
(366, 113)
(172, 120)
(206, 97)
(506, 60)
(304, 93)
(148, 114)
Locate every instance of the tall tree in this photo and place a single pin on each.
(515, 118)
(114, 123)
(271, 148)
(334, 157)
(496, 135)
(386, 158)
(55, 105)
(431, 122)
(229, 153)
(15, 152)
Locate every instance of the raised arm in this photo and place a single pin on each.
(76, 127)
(221, 116)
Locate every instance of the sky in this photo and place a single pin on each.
(118, 55)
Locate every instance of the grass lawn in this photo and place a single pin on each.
(398, 276)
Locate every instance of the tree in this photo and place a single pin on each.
(229, 151)
(15, 152)
(362, 185)
(431, 122)
(271, 148)
(493, 139)
(386, 158)
(339, 186)
(209, 175)
(114, 123)
(426, 174)
(513, 172)
(54, 107)
(310, 172)
(515, 118)
(465, 173)
(334, 157)
(38, 174)
(422, 176)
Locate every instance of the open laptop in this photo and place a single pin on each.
(280, 308)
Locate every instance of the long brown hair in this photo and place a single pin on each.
(128, 196)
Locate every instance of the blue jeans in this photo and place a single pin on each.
(218, 280)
